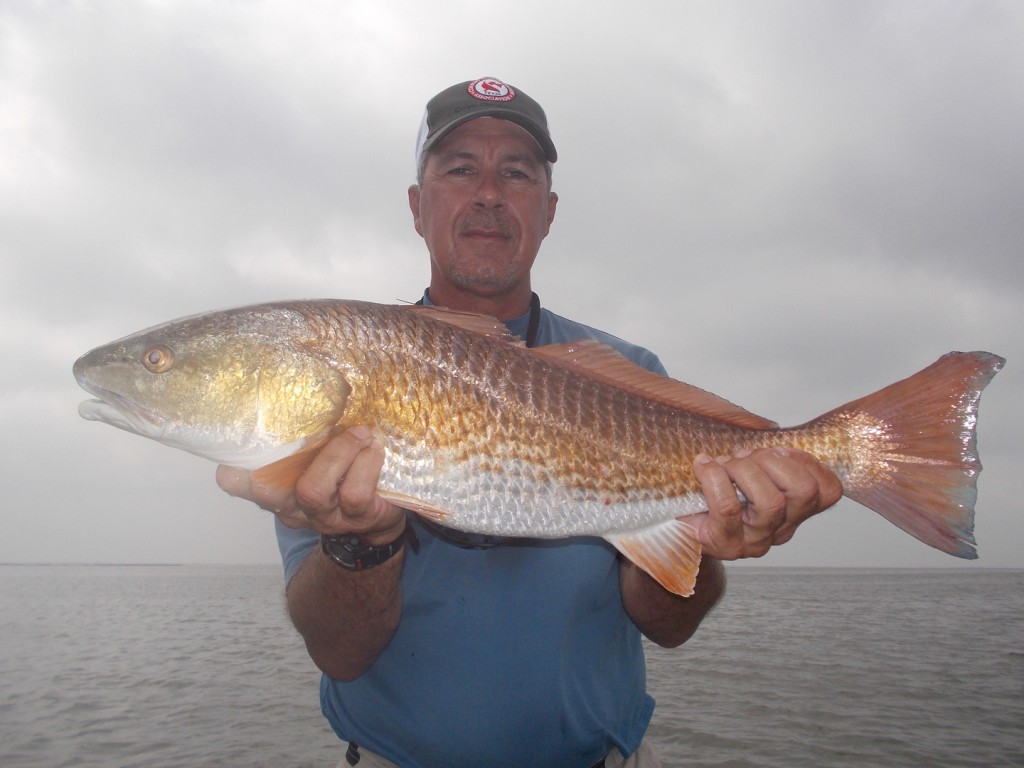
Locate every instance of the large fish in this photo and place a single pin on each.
(485, 435)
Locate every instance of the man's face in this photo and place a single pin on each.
(484, 207)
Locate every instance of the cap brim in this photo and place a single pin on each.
(536, 131)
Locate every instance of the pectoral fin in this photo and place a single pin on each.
(669, 552)
(413, 504)
(284, 473)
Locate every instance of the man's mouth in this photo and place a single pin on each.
(485, 234)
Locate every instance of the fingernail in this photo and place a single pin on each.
(742, 453)
(361, 433)
(702, 458)
(781, 451)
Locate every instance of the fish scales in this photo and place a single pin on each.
(524, 440)
(485, 435)
(501, 403)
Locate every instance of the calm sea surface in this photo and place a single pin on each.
(198, 666)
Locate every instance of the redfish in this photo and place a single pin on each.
(487, 436)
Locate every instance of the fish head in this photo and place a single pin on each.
(244, 387)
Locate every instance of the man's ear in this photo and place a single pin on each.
(552, 204)
(414, 206)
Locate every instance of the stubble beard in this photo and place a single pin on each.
(487, 269)
(485, 278)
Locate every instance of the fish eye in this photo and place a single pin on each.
(158, 359)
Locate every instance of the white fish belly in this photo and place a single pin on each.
(521, 499)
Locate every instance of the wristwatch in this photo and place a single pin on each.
(352, 554)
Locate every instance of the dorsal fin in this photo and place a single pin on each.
(599, 361)
(485, 325)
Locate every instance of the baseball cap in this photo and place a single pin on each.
(485, 97)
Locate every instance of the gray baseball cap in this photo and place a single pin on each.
(485, 97)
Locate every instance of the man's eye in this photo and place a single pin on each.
(520, 174)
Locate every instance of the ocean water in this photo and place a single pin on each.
(155, 666)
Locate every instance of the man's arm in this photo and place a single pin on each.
(345, 617)
(666, 618)
(782, 487)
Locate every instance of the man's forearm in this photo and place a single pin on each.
(667, 619)
(345, 617)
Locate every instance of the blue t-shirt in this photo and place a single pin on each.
(515, 655)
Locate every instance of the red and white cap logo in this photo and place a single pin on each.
(491, 89)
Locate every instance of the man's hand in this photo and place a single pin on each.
(783, 487)
(336, 494)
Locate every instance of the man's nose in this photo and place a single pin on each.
(488, 190)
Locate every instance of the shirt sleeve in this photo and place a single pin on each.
(295, 545)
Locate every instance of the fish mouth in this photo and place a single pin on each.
(118, 412)
(112, 408)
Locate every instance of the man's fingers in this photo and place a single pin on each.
(830, 489)
(234, 482)
(724, 523)
(766, 507)
(781, 488)
(317, 489)
(356, 494)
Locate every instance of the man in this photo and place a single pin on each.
(467, 652)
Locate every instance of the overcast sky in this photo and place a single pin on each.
(792, 203)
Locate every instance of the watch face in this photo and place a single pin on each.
(344, 550)
(351, 553)
(351, 545)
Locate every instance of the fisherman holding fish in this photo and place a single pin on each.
(442, 649)
(476, 530)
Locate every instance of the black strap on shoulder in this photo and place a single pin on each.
(534, 325)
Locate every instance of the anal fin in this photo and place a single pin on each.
(669, 552)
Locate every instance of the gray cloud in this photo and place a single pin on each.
(793, 204)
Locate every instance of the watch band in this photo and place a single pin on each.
(349, 551)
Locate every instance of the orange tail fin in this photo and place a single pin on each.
(923, 466)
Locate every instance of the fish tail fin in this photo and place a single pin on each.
(922, 468)
(669, 552)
